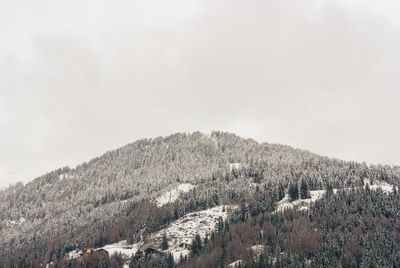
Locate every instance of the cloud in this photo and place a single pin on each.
(81, 79)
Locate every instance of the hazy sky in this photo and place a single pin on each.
(78, 78)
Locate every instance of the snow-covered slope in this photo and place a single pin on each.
(185, 229)
(173, 195)
(384, 186)
(303, 204)
(122, 247)
(300, 203)
(235, 264)
(181, 231)
(127, 250)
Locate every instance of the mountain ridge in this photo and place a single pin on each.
(69, 208)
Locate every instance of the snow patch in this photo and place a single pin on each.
(21, 221)
(48, 265)
(233, 166)
(179, 233)
(184, 230)
(235, 264)
(65, 176)
(304, 204)
(178, 254)
(257, 249)
(121, 247)
(74, 254)
(174, 194)
(384, 186)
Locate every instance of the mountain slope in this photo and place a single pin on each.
(68, 208)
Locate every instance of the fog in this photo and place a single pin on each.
(83, 77)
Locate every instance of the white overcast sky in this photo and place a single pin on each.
(79, 77)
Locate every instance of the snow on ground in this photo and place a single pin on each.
(181, 231)
(258, 249)
(173, 195)
(20, 221)
(235, 264)
(185, 229)
(121, 247)
(301, 204)
(65, 176)
(304, 204)
(179, 253)
(234, 166)
(386, 187)
(48, 265)
(74, 254)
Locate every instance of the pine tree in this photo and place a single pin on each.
(220, 225)
(367, 187)
(164, 243)
(293, 191)
(329, 189)
(170, 261)
(304, 192)
(196, 245)
(281, 192)
(226, 226)
(205, 241)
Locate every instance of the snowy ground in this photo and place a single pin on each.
(180, 231)
(386, 187)
(174, 194)
(121, 247)
(234, 166)
(65, 176)
(18, 222)
(301, 204)
(304, 204)
(257, 251)
(74, 254)
(186, 228)
(235, 264)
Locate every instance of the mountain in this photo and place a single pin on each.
(114, 197)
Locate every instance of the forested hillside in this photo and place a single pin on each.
(112, 198)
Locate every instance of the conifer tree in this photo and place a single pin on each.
(304, 192)
(281, 192)
(293, 191)
(196, 245)
(205, 241)
(164, 243)
(220, 225)
(170, 261)
(329, 189)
